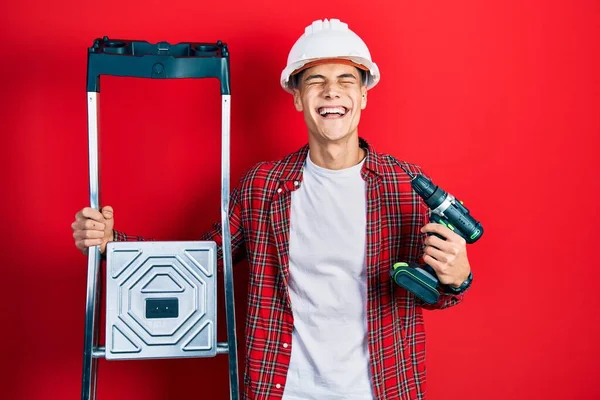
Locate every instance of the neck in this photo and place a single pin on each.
(336, 155)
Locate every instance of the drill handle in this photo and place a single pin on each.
(429, 269)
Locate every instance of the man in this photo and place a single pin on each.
(320, 229)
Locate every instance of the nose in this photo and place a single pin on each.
(331, 91)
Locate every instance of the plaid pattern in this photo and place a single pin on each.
(260, 217)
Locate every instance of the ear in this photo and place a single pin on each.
(298, 100)
(363, 103)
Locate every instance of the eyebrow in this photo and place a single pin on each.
(318, 76)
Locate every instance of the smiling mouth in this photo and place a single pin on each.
(332, 112)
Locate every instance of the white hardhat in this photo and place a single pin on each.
(326, 40)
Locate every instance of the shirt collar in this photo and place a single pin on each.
(293, 164)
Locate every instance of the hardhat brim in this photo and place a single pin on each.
(370, 67)
(328, 61)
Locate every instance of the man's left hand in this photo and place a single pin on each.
(447, 257)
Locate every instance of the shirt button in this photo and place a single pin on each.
(279, 190)
(285, 345)
(278, 386)
(296, 183)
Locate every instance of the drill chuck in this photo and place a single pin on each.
(423, 186)
(446, 210)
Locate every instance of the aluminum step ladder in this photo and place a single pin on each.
(161, 296)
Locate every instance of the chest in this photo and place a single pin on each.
(328, 211)
(327, 229)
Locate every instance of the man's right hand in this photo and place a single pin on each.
(93, 228)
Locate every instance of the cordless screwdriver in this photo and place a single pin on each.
(421, 280)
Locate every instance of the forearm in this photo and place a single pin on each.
(238, 248)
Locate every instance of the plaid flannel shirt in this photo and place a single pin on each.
(259, 214)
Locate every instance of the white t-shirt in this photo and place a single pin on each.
(328, 287)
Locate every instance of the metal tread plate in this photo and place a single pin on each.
(161, 299)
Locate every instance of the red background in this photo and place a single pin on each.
(498, 101)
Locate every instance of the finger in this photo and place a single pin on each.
(84, 243)
(432, 262)
(434, 227)
(107, 212)
(89, 213)
(437, 242)
(88, 224)
(93, 225)
(87, 234)
(450, 249)
(440, 256)
(443, 231)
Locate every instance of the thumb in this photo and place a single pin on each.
(107, 212)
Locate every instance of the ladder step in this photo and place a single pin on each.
(99, 352)
(222, 348)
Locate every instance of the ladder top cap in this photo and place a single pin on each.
(140, 48)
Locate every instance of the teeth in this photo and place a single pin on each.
(332, 110)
